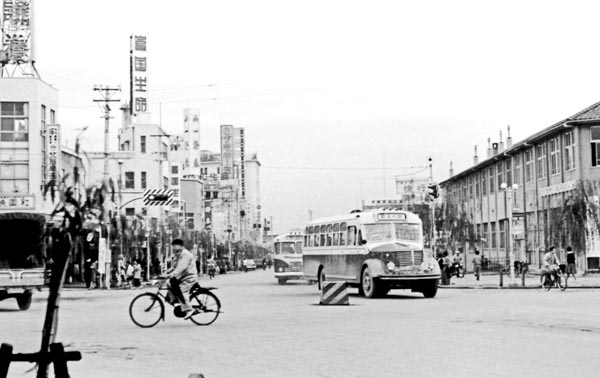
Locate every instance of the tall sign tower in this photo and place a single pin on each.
(17, 53)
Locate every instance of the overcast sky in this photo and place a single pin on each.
(331, 92)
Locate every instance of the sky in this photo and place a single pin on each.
(337, 97)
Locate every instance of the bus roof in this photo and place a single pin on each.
(370, 216)
(295, 234)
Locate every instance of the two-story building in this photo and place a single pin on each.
(540, 192)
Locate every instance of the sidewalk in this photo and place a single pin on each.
(532, 281)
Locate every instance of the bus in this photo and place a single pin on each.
(375, 251)
(287, 257)
(22, 256)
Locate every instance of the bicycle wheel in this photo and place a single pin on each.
(546, 282)
(208, 307)
(561, 282)
(146, 310)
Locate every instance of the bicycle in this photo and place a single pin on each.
(553, 279)
(458, 270)
(147, 309)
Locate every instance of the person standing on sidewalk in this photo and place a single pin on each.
(137, 274)
(477, 264)
(571, 263)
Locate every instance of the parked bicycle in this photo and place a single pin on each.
(147, 309)
(554, 278)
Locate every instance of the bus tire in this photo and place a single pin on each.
(321, 278)
(281, 281)
(430, 288)
(24, 300)
(371, 287)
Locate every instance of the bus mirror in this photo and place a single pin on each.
(363, 242)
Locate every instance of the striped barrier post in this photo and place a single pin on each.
(334, 293)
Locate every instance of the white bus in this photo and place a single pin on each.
(287, 259)
(375, 250)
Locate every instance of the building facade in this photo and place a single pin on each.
(526, 197)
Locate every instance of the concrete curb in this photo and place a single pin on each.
(510, 288)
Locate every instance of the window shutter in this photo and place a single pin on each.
(593, 154)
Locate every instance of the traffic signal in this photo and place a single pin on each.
(434, 190)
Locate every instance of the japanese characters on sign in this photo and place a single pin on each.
(16, 30)
(17, 202)
(226, 152)
(53, 149)
(139, 74)
(416, 188)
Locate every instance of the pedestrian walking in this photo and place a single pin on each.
(87, 273)
(211, 266)
(94, 275)
(137, 274)
(571, 263)
(477, 264)
(121, 271)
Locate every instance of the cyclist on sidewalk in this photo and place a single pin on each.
(182, 276)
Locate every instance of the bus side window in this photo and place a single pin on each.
(323, 236)
(352, 235)
(316, 240)
(343, 233)
(329, 234)
(335, 239)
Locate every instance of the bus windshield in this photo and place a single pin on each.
(381, 232)
(408, 231)
(378, 232)
(288, 248)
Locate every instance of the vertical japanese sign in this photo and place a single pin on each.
(240, 158)
(138, 74)
(226, 152)
(15, 27)
(53, 149)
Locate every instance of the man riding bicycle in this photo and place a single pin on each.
(182, 276)
(550, 263)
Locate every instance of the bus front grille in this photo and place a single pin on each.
(405, 258)
(295, 267)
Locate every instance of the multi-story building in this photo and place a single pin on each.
(526, 197)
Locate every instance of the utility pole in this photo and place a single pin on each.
(106, 94)
(432, 205)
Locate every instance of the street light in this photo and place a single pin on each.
(508, 198)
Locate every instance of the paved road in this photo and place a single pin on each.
(269, 330)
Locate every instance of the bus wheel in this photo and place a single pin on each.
(281, 281)
(430, 289)
(321, 276)
(24, 300)
(370, 286)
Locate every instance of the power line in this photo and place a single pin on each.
(345, 168)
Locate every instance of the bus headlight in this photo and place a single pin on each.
(391, 265)
(281, 269)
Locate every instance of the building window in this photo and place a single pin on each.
(554, 156)
(502, 225)
(517, 175)
(493, 234)
(486, 235)
(529, 165)
(129, 211)
(483, 183)
(129, 180)
(500, 168)
(569, 142)
(165, 182)
(492, 183)
(174, 169)
(143, 144)
(540, 153)
(509, 179)
(174, 181)
(144, 180)
(52, 117)
(14, 122)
